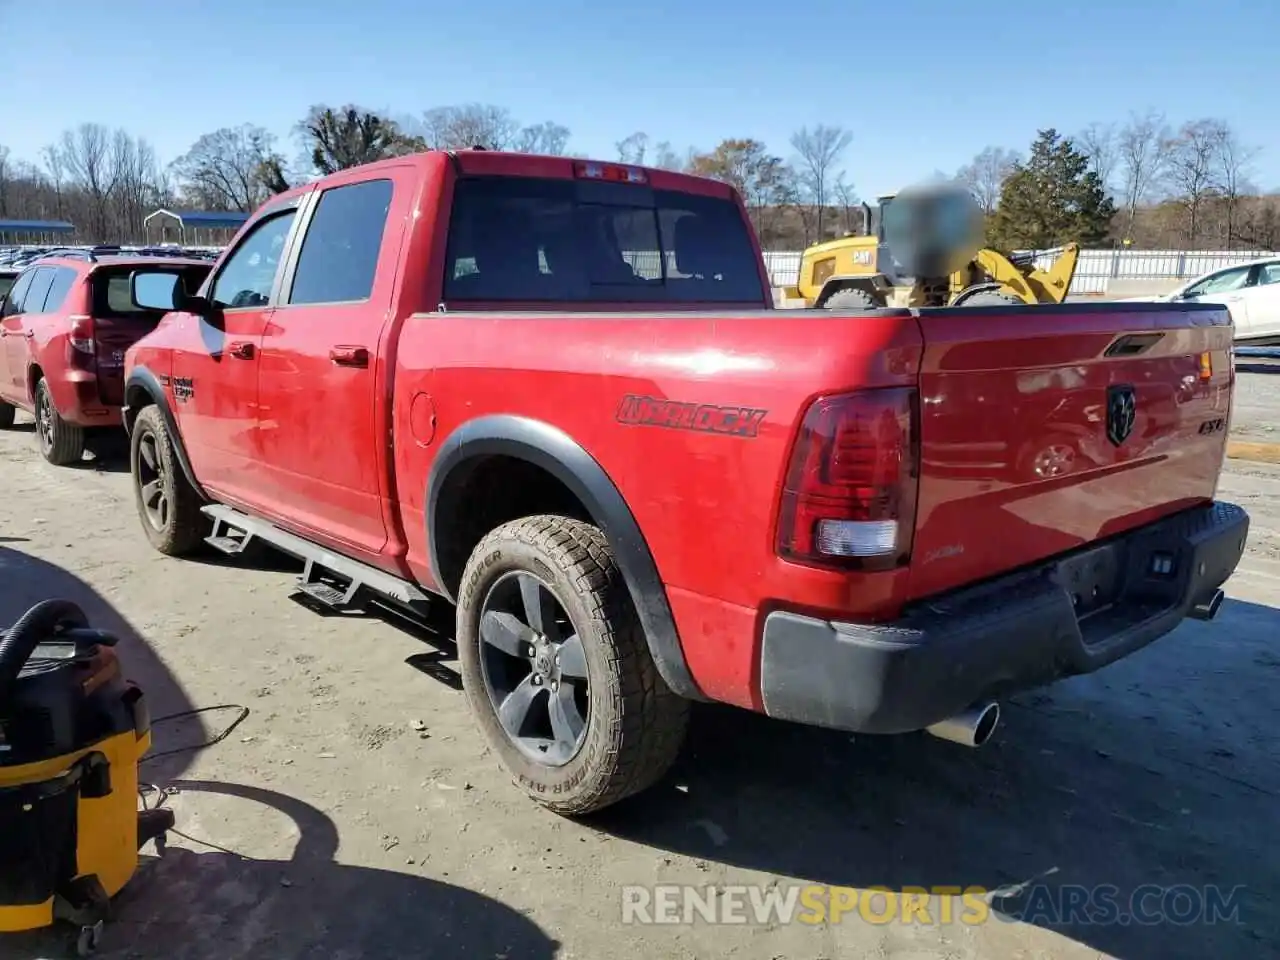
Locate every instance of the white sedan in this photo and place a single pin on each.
(1250, 291)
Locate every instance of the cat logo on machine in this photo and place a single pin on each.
(863, 258)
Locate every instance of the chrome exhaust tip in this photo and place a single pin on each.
(1209, 608)
(971, 728)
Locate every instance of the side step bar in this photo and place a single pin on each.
(352, 575)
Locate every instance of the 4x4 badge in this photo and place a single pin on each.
(1122, 412)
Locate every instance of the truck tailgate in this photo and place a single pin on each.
(1048, 427)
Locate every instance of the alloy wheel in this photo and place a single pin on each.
(535, 669)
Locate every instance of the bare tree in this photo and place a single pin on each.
(1234, 161)
(818, 152)
(471, 125)
(1192, 170)
(223, 170)
(135, 172)
(1142, 148)
(85, 155)
(1099, 142)
(632, 149)
(6, 178)
(986, 173)
(52, 158)
(847, 200)
(546, 137)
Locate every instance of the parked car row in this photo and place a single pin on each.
(555, 393)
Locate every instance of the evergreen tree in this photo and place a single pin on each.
(1050, 199)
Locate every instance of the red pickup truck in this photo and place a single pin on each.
(555, 393)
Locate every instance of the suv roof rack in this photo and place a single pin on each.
(93, 254)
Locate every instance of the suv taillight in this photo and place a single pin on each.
(850, 494)
(82, 334)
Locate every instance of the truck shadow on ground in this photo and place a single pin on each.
(192, 902)
(1157, 771)
(204, 902)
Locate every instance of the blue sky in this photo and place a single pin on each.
(921, 92)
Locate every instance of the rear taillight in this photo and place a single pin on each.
(850, 493)
(81, 338)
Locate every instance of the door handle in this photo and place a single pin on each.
(347, 356)
(242, 350)
(29, 334)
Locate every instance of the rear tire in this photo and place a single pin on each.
(7, 414)
(620, 727)
(61, 443)
(168, 505)
(850, 298)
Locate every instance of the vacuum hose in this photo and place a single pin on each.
(37, 625)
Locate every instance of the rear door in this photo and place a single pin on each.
(1230, 288)
(1048, 427)
(19, 329)
(322, 459)
(1263, 299)
(14, 352)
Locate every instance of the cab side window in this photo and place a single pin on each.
(246, 279)
(339, 256)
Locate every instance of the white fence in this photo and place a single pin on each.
(1095, 269)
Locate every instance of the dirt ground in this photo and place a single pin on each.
(355, 813)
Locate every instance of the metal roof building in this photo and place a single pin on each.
(193, 226)
(34, 231)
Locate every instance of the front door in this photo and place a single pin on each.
(214, 381)
(321, 354)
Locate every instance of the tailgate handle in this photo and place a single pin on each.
(345, 356)
(29, 334)
(242, 350)
(1132, 344)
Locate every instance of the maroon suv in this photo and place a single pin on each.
(64, 327)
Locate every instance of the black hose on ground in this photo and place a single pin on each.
(38, 624)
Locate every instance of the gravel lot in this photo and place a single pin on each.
(327, 824)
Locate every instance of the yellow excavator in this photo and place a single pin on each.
(859, 272)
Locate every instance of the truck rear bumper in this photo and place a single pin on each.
(1071, 615)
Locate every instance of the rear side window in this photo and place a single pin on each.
(38, 291)
(57, 296)
(6, 284)
(340, 251)
(113, 298)
(587, 241)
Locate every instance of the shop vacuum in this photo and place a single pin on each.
(72, 731)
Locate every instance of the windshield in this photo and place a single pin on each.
(584, 241)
